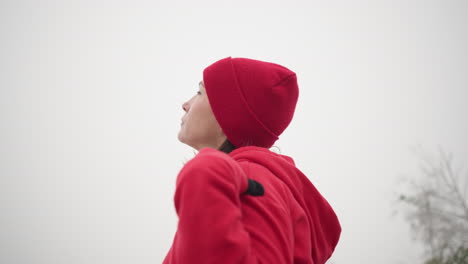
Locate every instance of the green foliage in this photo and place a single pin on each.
(459, 257)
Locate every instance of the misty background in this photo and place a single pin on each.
(90, 108)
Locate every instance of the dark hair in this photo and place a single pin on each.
(227, 147)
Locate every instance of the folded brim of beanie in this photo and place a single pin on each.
(235, 117)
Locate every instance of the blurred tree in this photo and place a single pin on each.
(438, 210)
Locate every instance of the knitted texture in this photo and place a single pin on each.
(253, 101)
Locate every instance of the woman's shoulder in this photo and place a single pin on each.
(214, 167)
(209, 159)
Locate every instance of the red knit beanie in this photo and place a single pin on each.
(253, 101)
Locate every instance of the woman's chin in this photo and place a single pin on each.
(180, 137)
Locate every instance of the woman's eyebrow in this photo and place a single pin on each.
(200, 83)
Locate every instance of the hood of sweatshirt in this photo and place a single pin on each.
(324, 224)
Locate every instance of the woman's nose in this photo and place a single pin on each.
(185, 106)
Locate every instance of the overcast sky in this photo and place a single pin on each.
(91, 94)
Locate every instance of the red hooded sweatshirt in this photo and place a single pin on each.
(220, 223)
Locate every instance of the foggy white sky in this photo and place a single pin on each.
(91, 95)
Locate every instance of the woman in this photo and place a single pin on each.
(237, 201)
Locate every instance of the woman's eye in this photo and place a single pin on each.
(198, 92)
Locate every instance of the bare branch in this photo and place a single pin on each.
(438, 213)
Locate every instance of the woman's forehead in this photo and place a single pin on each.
(201, 85)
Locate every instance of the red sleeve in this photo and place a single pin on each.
(207, 201)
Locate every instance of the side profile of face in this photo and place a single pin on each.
(199, 127)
